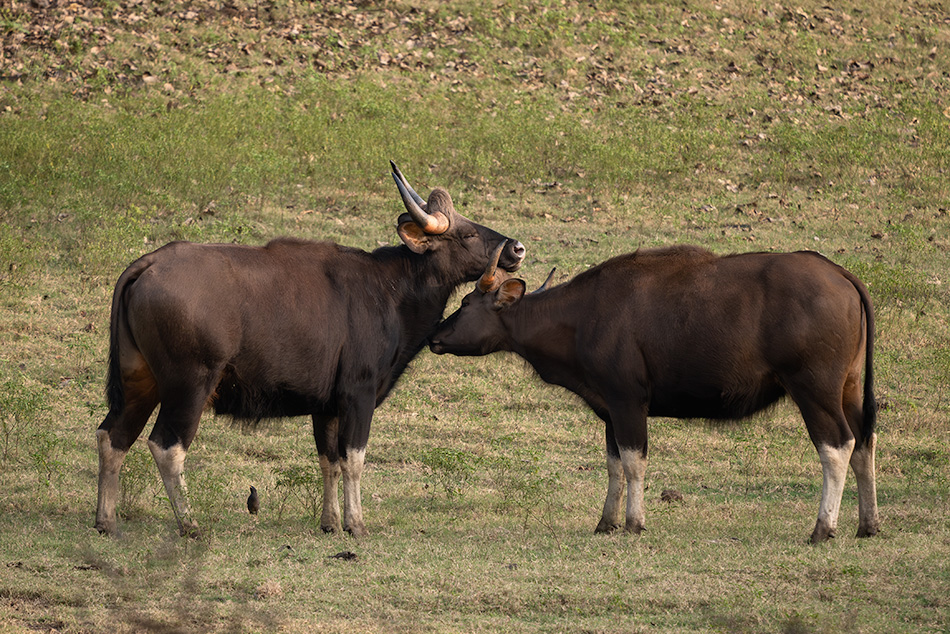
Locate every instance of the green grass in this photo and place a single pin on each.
(583, 131)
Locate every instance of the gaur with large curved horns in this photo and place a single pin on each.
(286, 329)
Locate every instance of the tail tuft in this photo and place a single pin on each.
(870, 403)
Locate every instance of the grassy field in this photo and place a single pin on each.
(583, 129)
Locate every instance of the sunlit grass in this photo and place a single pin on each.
(585, 132)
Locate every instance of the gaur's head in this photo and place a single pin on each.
(433, 228)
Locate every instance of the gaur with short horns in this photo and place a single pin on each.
(682, 333)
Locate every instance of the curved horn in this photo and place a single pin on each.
(434, 223)
(544, 286)
(416, 197)
(487, 282)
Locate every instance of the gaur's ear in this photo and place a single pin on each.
(508, 293)
(413, 236)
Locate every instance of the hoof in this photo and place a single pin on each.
(106, 529)
(358, 530)
(869, 531)
(189, 530)
(821, 534)
(634, 528)
(606, 527)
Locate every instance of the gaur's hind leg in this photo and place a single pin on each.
(832, 437)
(862, 460)
(834, 470)
(115, 437)
(862, 463)
(171, 465)
(174, 430)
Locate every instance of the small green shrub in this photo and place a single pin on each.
(527, 481)
(138, 476)
(21, 407)
(46, 454)
(451, 469)
(302, 482)
(206, 494)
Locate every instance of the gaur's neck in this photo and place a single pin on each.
(420, 286)
(539, 330)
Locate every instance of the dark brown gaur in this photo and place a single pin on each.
(682, 333)
(287, 329)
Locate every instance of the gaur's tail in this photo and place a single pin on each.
(115, 391)
(870, 404)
